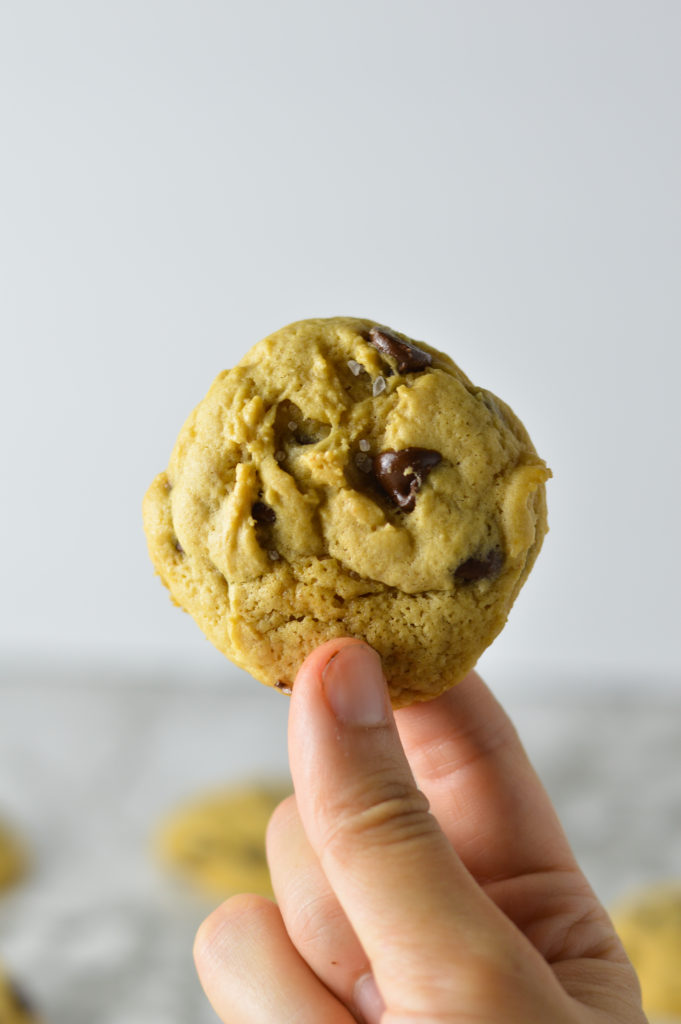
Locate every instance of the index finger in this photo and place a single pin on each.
(468, 759)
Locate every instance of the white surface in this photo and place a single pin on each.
(180, 178)
(99, 936)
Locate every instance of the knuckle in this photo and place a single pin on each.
(281, 820)
(385, 811)
(204, 940)
(488, 986)
(316, 923)
(582, 930)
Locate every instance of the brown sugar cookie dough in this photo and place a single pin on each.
(649, 924)
(345, 480)
(216, 842)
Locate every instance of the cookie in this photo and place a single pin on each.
(216, 843)
(649, 925)
(15, 1008)
(12, 858)
(343, 480)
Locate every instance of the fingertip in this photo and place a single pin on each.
(216, 932)
(284, 815)
(355, 688)
(344, 676)
(308, 694)
(248, 966)
(368, 1000)
(313, 666)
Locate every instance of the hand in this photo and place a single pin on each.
(420, 871)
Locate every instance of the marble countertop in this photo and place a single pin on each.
(98, 935)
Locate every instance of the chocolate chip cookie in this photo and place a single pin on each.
(649, 925)
(343, 479)
(217, 841)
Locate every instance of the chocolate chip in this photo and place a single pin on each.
(262, 513)
(480, 568)
(402, 473)
(284, 687)
(410, 359)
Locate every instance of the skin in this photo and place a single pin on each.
(420, 871)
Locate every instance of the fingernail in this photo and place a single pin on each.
(368, 1000)
(355, 686)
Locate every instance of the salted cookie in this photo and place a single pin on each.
(343, 480)
(649, 925)
(12, 858)
(15, 1008)
(217, 842)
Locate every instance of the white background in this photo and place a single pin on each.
(178, 179)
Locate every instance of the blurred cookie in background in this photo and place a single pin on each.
(13, 858)
(15, 1007)
(649, 925)
(216, 843)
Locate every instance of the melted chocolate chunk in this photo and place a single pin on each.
(410, 359)
(262, 513)
(402, 473)
(474, 569)
(284, 687)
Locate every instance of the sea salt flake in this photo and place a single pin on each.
(378, 386)
(364, 446)
(274, 555)
(355, 367)
(292, 425)
(280, 456)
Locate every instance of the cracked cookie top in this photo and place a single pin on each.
(343, 479)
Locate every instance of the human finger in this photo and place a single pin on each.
(416, 910)
(468, 759)
(314, 919)
(251, 972)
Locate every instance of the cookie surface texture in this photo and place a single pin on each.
(649, 925)
(216, 843)
(343, 480)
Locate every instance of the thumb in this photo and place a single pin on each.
(415, 908)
